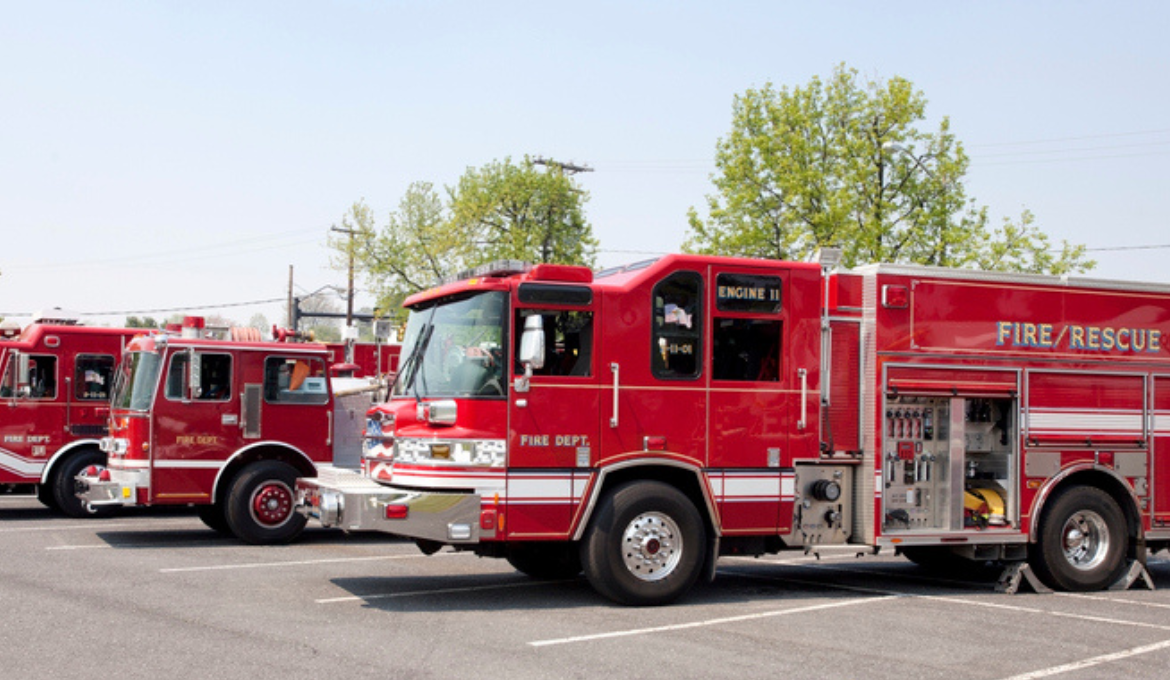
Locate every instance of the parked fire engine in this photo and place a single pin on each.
(55, 378)
(226, 426)
(640, 422)
(369, 359)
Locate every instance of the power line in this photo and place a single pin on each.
(185, 254)
(189, 308)
(1151, 247)
(1081, 138)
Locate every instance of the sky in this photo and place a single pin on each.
(179, 157)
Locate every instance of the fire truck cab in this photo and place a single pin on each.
(225, 426)
(55, 380)
(639, 422)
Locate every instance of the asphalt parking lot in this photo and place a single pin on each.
(154, 594)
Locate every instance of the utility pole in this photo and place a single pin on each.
(567, 168)
(349, 334)
(292, 308)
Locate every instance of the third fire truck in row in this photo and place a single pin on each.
(55, 379)
(639, 422)
(225, 425)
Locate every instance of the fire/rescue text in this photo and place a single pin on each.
(1086, 338)
(554, 440)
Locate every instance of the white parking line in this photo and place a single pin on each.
(90, 525)
(1046, 612)
(1095, 661)
(136, 546)
(298, 563)
(439, 591)
(999, 605)
(708, 622)
(1064, 668)
(1117, 600)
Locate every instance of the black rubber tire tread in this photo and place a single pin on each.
(46, 496)
(601, 550)
(215, 518)
(238, 512)
(545, 560)
(63, 493)
(1047, 554)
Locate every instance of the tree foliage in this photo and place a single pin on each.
(516, 211)
(143, 322)
(845, 164)
(504, 210)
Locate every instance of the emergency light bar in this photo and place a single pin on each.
(497, 268)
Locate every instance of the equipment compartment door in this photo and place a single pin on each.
(1159, 477)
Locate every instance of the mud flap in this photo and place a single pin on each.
(708, 573)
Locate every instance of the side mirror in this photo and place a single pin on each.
(194, 375)
(17, 376)
(531, 350)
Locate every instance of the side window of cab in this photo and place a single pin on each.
(93, 376)
(748, 328)
(677, 327)
(295, 380)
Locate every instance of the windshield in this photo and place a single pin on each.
(455, 348)
(137, 378)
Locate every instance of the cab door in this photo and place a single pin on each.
(553, 413)
(294, 409)
(195, 426)
(755, 389)
(31, 429)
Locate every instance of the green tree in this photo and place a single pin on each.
(845, 164)
(516, 211)
(415, 249)
(144, 322)
(503, 210)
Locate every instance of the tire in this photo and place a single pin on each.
(260, 504)
(545, 560)
(215, 518)
(63, 494)
(1082, 541)
(645, 546)
(46, 496)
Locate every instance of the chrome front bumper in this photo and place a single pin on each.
(343, 498)
(96, 492)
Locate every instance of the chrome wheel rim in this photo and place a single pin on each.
(1085, 540)
(652, 546)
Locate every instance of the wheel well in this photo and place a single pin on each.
(1110, 485)
(276, 452)
(63, 454)
(683, 479)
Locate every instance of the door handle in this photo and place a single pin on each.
(613, 422)
(803, 373)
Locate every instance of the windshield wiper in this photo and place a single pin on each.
(422, 344)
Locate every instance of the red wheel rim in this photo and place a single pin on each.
(272, 503)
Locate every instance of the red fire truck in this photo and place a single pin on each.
(55, 378)
(226, 426)
(640, 422)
